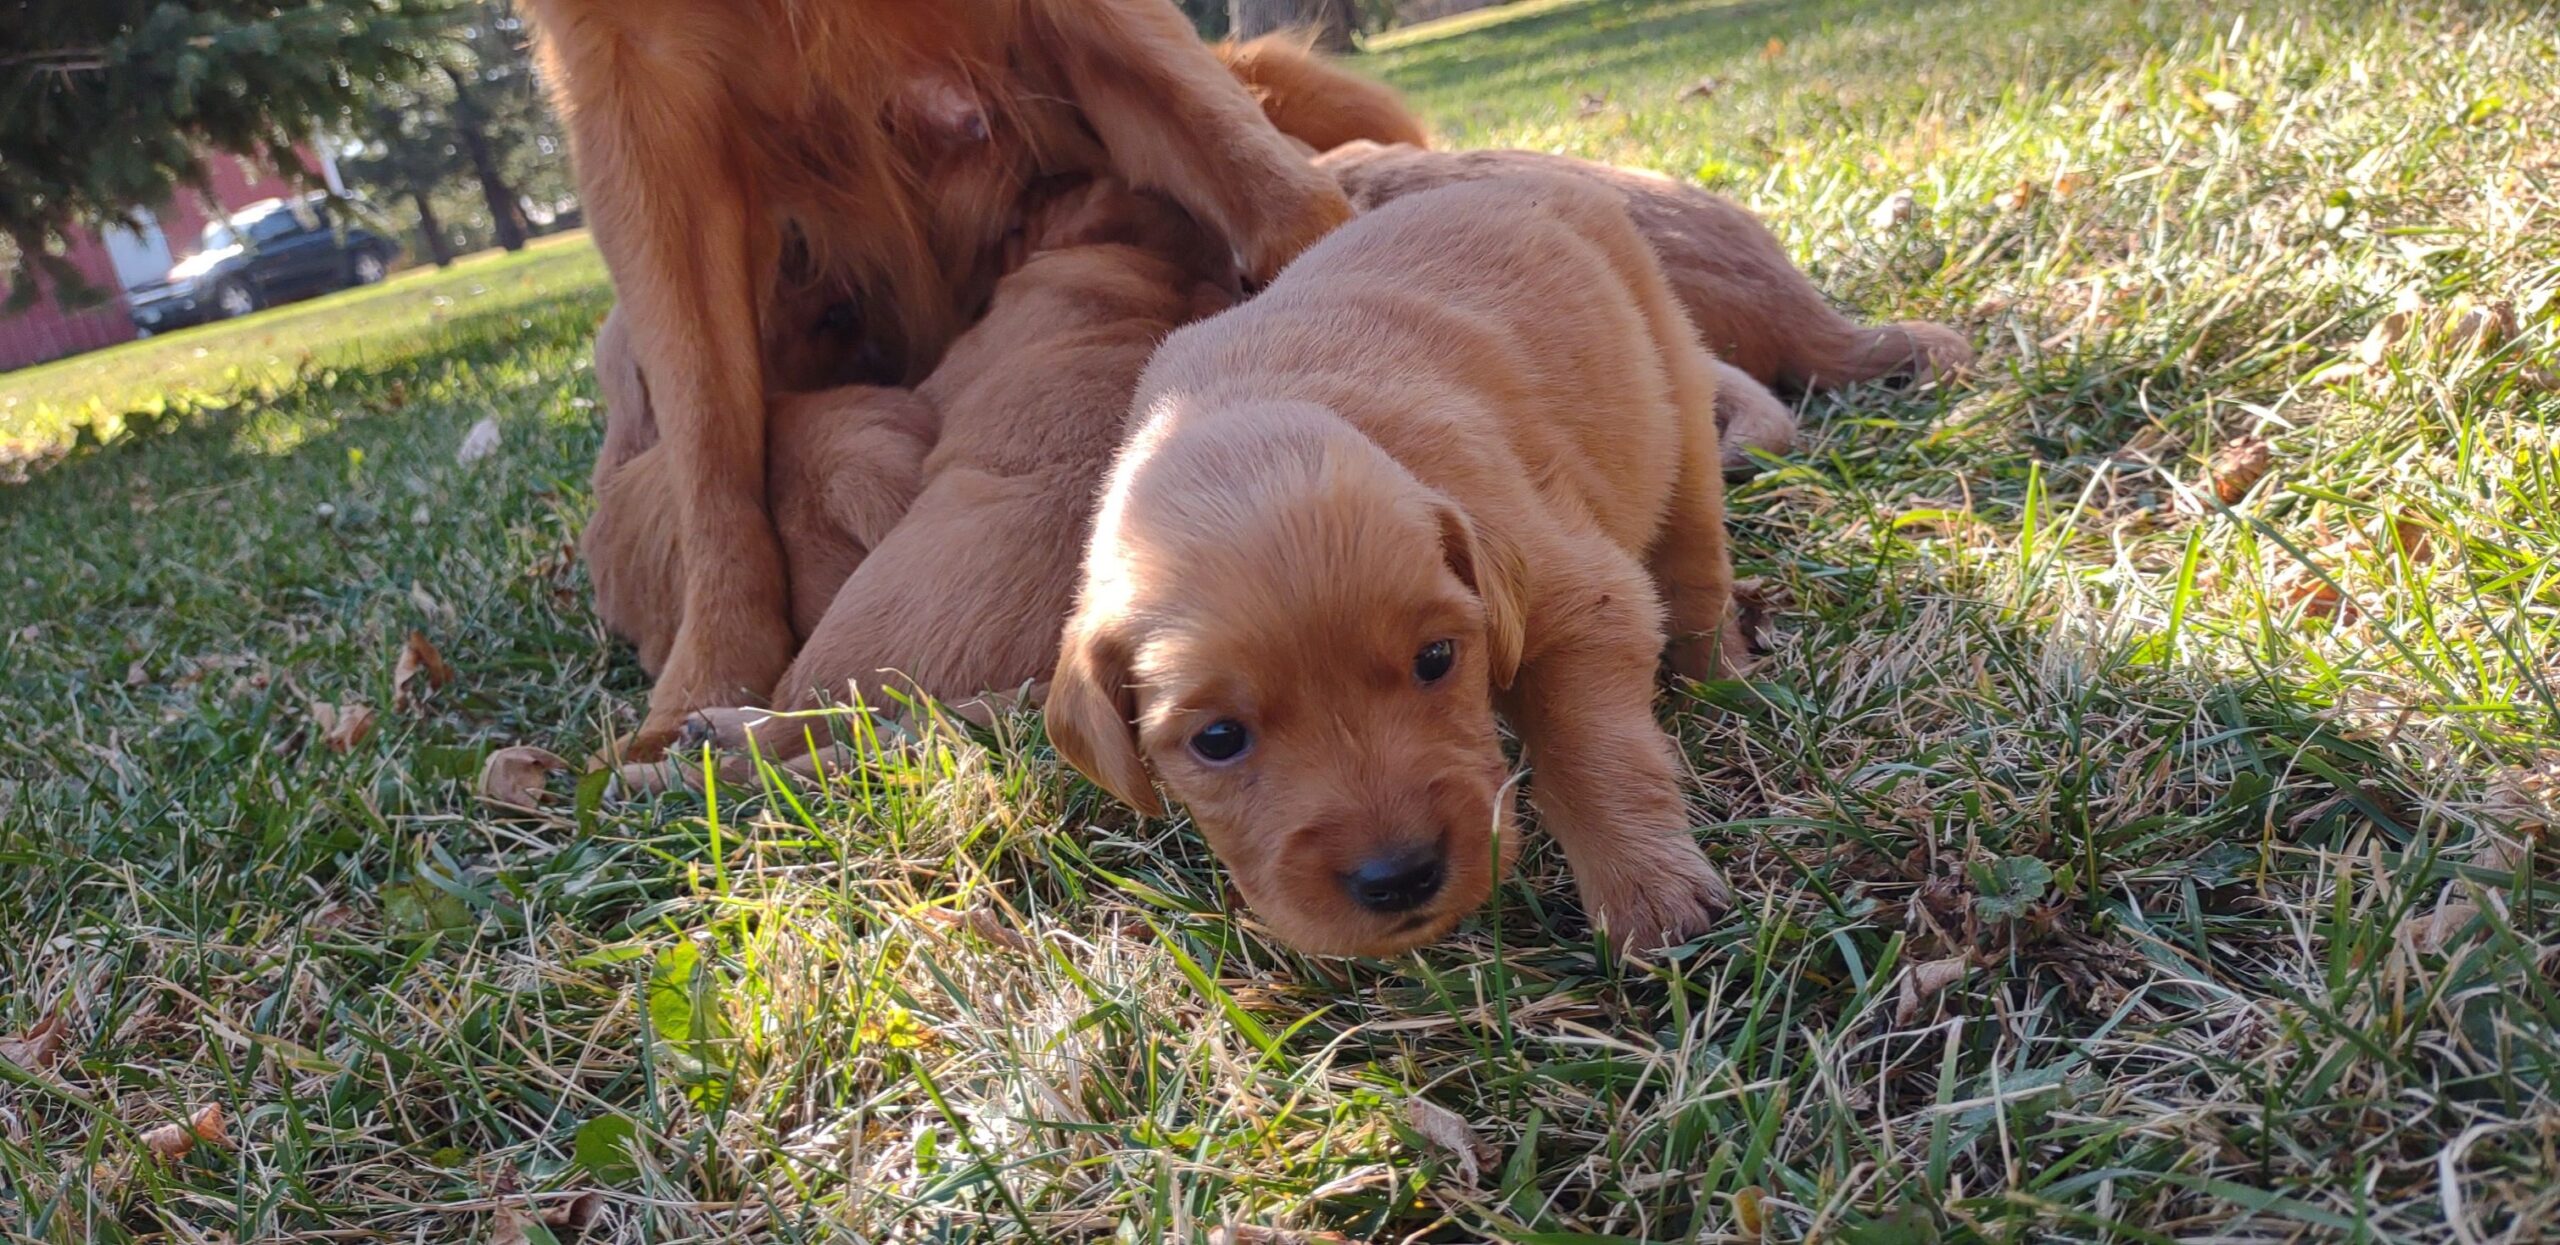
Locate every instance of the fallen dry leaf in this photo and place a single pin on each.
(171, 1142)
(2386, 335)
(514, 776)
(1773, 49)
(479, 443)
(980, 921)
(1895, 211)
(2226, 103)
(137, 674)
(1750, 1215)
(1450, 1131)
(2413, 539)
(2435, 931)
(418, 659)
(342, 727)
(2237, 467)
(1923, 983)
(511, 1228)
(2500, 852)
(1247, 1234)
(1592, 105)
(38, 1048)
(560, 1221)
(2478, 325)
(1703, 88)
(2017, 198)
(2529, 795)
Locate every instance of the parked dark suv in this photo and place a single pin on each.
(268, 252)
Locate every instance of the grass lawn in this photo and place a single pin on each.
(42, 408)
(2143, 808)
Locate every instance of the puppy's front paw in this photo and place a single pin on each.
(1662, 905)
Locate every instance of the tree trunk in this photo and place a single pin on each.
(506, 213)
(439, 247)
(1330, 21)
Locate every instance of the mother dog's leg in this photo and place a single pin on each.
(680, 228)
(1174, 120)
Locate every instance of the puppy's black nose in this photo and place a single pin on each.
(1398, 881)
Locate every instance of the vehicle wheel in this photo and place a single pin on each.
(366, 268)
(234, 300)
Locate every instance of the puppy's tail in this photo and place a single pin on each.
(1314, 100)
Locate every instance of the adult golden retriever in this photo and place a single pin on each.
(965, 591)
(743, 163)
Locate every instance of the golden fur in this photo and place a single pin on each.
(843, 466)
(1750, 304)
(1316, 101)
(1476, 414)
(752, 170)
(963, 592)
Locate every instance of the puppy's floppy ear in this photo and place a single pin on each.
(1488, 565)
(1091, 714)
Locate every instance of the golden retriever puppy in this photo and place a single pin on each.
(738, 158)
(1460, 459)
(967, 592)
(1750, 304)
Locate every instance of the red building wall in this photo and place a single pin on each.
(47, 330)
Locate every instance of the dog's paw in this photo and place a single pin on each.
(639, 780)
(721, 730)
(1661, 906)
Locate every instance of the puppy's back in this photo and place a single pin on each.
(1510, 327)
(1514, 272)
(1742, 292)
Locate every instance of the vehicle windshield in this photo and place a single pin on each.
(217, 235)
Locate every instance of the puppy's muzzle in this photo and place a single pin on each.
(1398, 882)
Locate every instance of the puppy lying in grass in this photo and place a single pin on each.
(1459, 460)
(1766, 323)
(964, 592)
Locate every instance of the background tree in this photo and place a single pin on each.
(1331, 22)
(472, 147)
(107, 106)
(408, 153)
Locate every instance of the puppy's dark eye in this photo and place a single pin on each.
(1221, 741)
(1432, 664)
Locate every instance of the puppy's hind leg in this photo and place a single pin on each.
(1749, 417)
(1692, 564)
(1689, 560)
